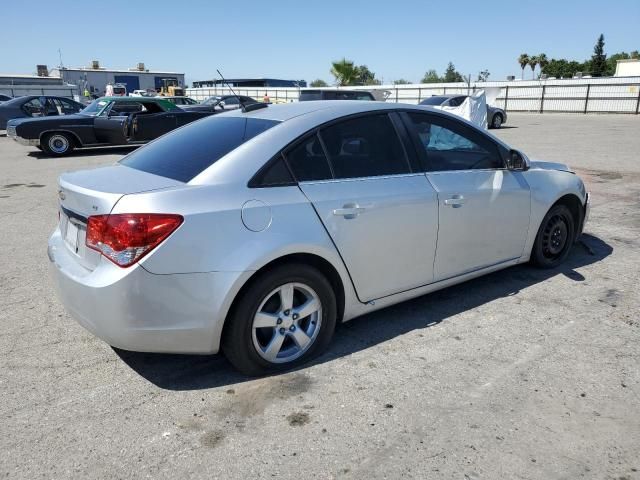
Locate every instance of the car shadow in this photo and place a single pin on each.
(195, 372)
(505, 127)
(87, 152)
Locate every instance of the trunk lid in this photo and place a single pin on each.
(95, 192)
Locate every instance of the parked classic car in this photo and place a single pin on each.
(218, 104)
(31, 106)
(496, 116)
(256, 232)
(106, 121)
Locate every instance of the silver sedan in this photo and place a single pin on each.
(255, 231)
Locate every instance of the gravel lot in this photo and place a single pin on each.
(520, 374)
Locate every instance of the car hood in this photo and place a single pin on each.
(53, 119)
(542, 165)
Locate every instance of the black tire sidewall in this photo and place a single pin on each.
(493, 119)
(537, 256)
(237, 341)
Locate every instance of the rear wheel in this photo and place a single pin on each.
(284, 318)
(57, 144)
(555, 238)
(496, 121)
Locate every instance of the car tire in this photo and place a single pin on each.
(555, 238)
(57, 144)
(264, 334)
(496, 120)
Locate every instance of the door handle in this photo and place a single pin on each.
(349, 211)
(456, 201)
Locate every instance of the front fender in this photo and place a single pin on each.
(547, 187)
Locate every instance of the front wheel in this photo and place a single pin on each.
(57, 144)
(284, 318)
(555, 238)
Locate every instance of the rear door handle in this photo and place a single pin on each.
(456, 201)
(349, 211)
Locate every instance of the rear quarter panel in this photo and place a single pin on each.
(213, 237)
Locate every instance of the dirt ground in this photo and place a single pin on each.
(521, 374)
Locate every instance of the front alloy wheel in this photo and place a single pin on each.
(284, 317)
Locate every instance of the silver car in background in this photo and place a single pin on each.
(255, 231)
(496, 116)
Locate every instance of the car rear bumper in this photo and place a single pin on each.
(136, 310)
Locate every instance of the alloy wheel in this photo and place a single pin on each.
(287, 323)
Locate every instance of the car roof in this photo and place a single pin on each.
(285, 111)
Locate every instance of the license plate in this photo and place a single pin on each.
(71, 237)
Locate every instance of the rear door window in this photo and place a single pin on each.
(33, 107)
(308, 161)
(186, 153)
(365, 147)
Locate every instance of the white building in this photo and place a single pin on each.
(628, 68)
(95, 78)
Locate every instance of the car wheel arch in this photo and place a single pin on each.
(321, 264)
(76, 140)
(573, 203)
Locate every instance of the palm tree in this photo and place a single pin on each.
(345, 72)
(543, 61)
(523, 60)
(533, 61)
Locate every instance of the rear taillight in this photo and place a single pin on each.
(125, 238)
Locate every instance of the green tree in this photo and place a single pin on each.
(598, 59)
(452, 75)
(523, 60)
(318, 83)
(431, 76)
(345, 72)
(366, 76)
(483, 76)
(533, 61)
(401, 81)
(543, 61)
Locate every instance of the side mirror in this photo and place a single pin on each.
(221, 104)
(517, 161)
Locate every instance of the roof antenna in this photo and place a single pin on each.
(245, 108)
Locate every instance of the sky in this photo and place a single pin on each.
(299, 40)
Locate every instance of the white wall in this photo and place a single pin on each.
(610, 94)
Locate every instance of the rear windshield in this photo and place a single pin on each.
(435, 100)
(187, 152)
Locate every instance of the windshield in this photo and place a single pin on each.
(187, 152)
(435, 100)
(212, 101)
(95, 108)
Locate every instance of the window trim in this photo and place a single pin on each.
(409, 143)
(422, 154)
